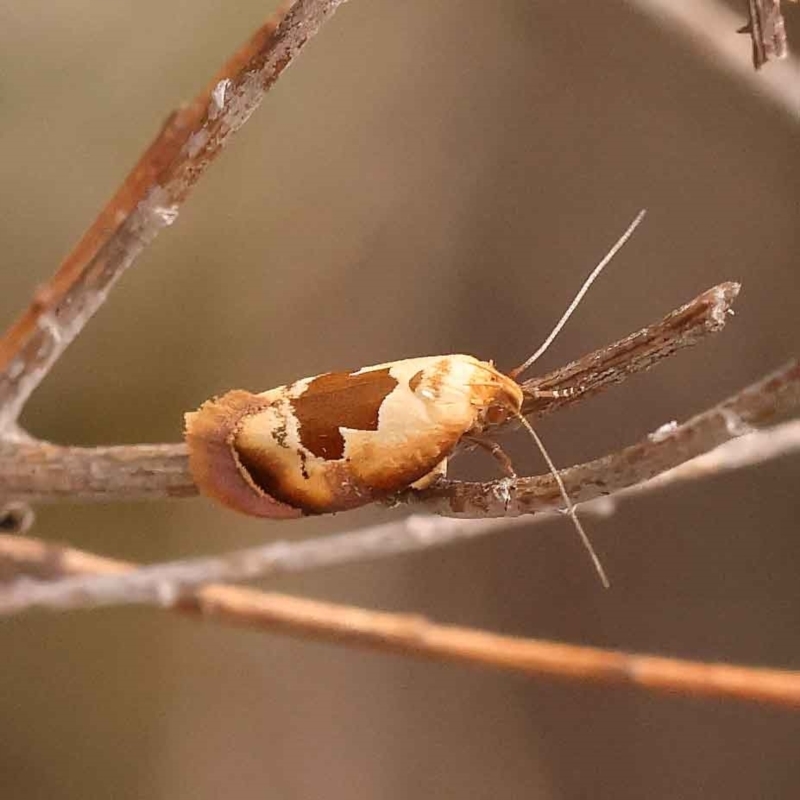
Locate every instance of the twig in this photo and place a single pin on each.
(747, 451)
(148, 200)
(40, 472)
(36, 471)
(684, 327)
(163, 583)
(415, 636)
(712, 26)
(767, 31)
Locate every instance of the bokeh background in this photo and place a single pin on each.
(431, 176)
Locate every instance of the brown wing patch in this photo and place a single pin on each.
(443, 368)
(340, 400)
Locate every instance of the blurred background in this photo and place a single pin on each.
(431, 176)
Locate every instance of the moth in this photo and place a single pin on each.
(341, 440)
(344, 439)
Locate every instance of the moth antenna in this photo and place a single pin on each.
(578, 297)
(569, 505)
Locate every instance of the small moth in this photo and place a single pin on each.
(344, 439)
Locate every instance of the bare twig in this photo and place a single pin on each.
(163, 583)
(767, 31)
(148, 200)
(747, 451)
(712, 26)
(684, 327)
(415, 636)
(40, 472)
(750, 449)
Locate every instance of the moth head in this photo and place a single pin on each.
(497, 396)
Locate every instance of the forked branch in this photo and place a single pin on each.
(38, 574)
(148, 200)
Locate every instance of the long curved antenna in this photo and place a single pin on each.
(578, 297)
(569, 505)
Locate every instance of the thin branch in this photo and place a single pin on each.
(415, 636)
(163, 583)
(40, 472)
(711, 26)
(148, 200)
(748, 450)
(767, 31)
(684, 327)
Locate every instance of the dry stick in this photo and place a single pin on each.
(747, 451)
(148, 200)
(750, 449)
(711, 26)
(767, 31)
(40, 472)
(684, 327)
(415, 636)
(163, 583)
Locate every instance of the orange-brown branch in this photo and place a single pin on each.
(416, 636)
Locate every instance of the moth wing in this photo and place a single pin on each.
(214, 463)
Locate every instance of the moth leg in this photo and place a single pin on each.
(439, 471)
(496, 452)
